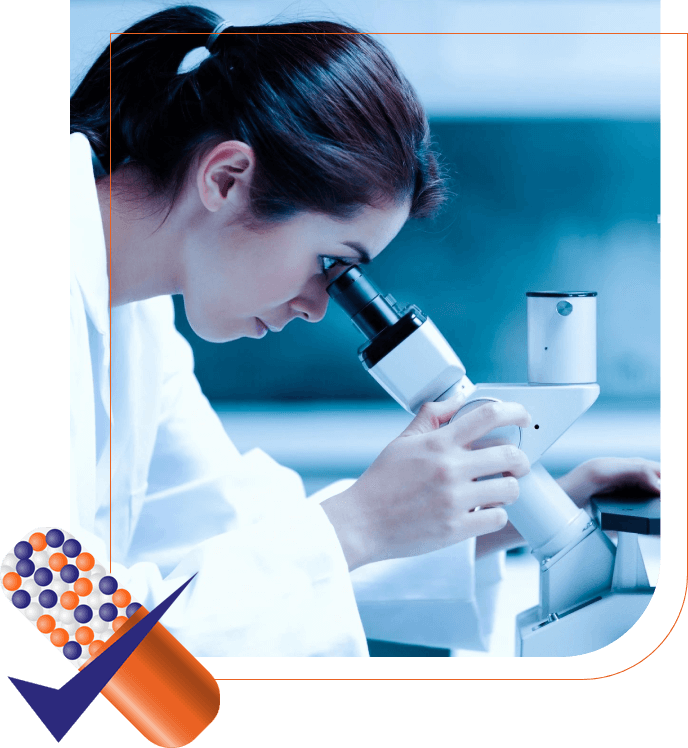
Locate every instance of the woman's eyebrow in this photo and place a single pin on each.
(363, 253)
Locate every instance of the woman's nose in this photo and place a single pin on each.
(311, 305)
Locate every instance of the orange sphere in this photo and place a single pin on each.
(57, 561)
(84, 635)
(95, 646)
(83, 587)
(69, 600)
(85, 561)
(45, 624)
(59, 637)
(121, 598)
(38, 541)
(119, 621)
(11, 581)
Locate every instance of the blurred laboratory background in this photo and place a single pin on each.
(552, 145)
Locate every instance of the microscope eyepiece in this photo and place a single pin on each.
(401, 342)
(378, 317)
(358, 296)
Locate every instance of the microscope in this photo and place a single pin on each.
(591, 591)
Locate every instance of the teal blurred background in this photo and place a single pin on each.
(538, 205)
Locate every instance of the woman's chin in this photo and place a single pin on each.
(215, 334)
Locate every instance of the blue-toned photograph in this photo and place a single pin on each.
(365, 320)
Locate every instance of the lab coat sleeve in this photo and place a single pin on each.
(271, 578)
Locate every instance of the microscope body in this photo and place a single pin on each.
(581, 607)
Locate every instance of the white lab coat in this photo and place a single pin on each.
(272, 578)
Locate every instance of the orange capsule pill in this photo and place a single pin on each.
(83, 587)
(59, 637)
(95, 646)
(69, 600)
(85, 561)
(170, 706)
(38, 541)
(45, 624)
(84, 635)
(121, 598)
(11, 581)
(57, 561)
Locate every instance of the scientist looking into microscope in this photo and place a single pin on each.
(247, 184)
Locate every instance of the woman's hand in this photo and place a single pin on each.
(606, 474)
(422, 492)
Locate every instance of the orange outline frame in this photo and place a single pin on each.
(406, 33)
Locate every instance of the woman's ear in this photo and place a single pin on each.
(224, 177)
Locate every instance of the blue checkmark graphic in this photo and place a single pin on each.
(60, 708)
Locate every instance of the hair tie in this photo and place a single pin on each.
(222, 26)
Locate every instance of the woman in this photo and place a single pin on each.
(247, 184)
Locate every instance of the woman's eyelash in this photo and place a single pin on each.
(328, 263)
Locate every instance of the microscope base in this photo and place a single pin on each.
(581, 629)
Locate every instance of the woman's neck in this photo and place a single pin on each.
(142, 240)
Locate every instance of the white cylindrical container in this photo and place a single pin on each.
(562, 337)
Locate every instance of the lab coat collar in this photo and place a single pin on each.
(88, 251)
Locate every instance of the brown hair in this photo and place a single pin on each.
(332, 122)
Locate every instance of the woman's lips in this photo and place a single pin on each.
(272, 328)
(261, 328)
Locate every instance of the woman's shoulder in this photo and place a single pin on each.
(159, 309)
(79, 145)
(83, 155)
(81, 172)
(154, 319)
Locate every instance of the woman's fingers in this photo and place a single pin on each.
(612, 473)
(653, 472)
(432, 415)
(654, 465)
(478, 422)
(493, 492)
(485, 521)
(493, 460)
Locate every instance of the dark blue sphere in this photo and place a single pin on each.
(72, 650)
(132, 608)
(108, 612)
(69, 573)
(21, 599)
(48, 598)
(108, 585)
(43, 576)
(54, 538)
(83, 613)
(23, 549)
(71, 548)
(25, 567)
